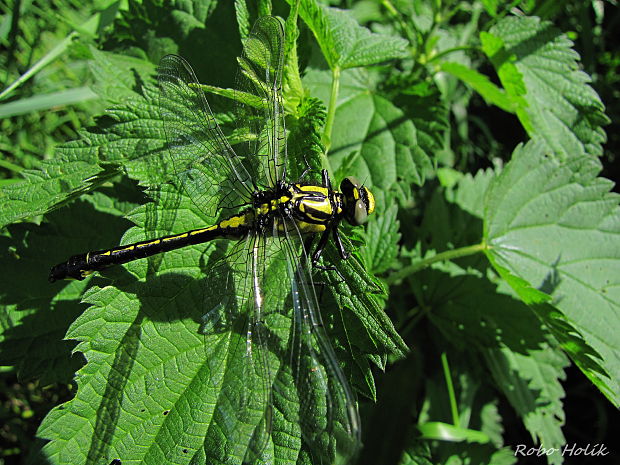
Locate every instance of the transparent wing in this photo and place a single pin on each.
(205, 164)
(239, 308)
(258, 109)
(328, 415)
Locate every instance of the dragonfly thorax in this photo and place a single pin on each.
(313, 208)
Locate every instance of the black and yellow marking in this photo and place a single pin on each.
(313, 209)
(80, 266)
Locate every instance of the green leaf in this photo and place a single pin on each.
(470, 311)
(470, 192)
(532, 384)
(380, 135)
(491, 421)
(424, 104)
(41, 190)
(467, 306)
(116, 75)
(474, 314)
(446, 432)
(304, 142)
(33, 332)
(148, 346)
(492, 94)
(445, 226)
(491, 6)
(132, 137)
(147, 360)
(383, 237)
(553, 98)
(553, 225)
(556, 322)
(346, 44)
(361, 294)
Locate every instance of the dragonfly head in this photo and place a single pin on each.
(358, 201)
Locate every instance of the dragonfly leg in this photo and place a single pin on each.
(308, 243)
(343, 253)
(319, 250)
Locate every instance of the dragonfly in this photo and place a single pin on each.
(271, 223)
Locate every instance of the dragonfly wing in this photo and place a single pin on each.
(328, 415)
(203, 160)
(258, 109)
(236, 304)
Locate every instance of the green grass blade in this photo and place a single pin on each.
(42, 63)
(46, 101)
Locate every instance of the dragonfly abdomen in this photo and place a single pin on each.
(80, 266)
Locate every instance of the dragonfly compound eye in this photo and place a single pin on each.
(360, 213)
(359, 201)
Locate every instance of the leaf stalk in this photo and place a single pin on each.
(447, 255)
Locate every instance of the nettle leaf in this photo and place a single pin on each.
(71, 174)
(130, 137)
(383, 237)
(155, 27)
(116, 76)
(149, 363)
(145, 358)
(32, 341)
(474, 313)
(532, 385)
(468, 310)
(131, 133)
(470, 191)
(346, 44)
(467, 307)
(304, 141)
(540, 71)
(423, 104)
(446, 226)
(381, 137)
(552, 227)
(364, 296)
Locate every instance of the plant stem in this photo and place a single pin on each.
(450, 387)
(404, 27)
(447, 255)
(331, 110)
(451, 50)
